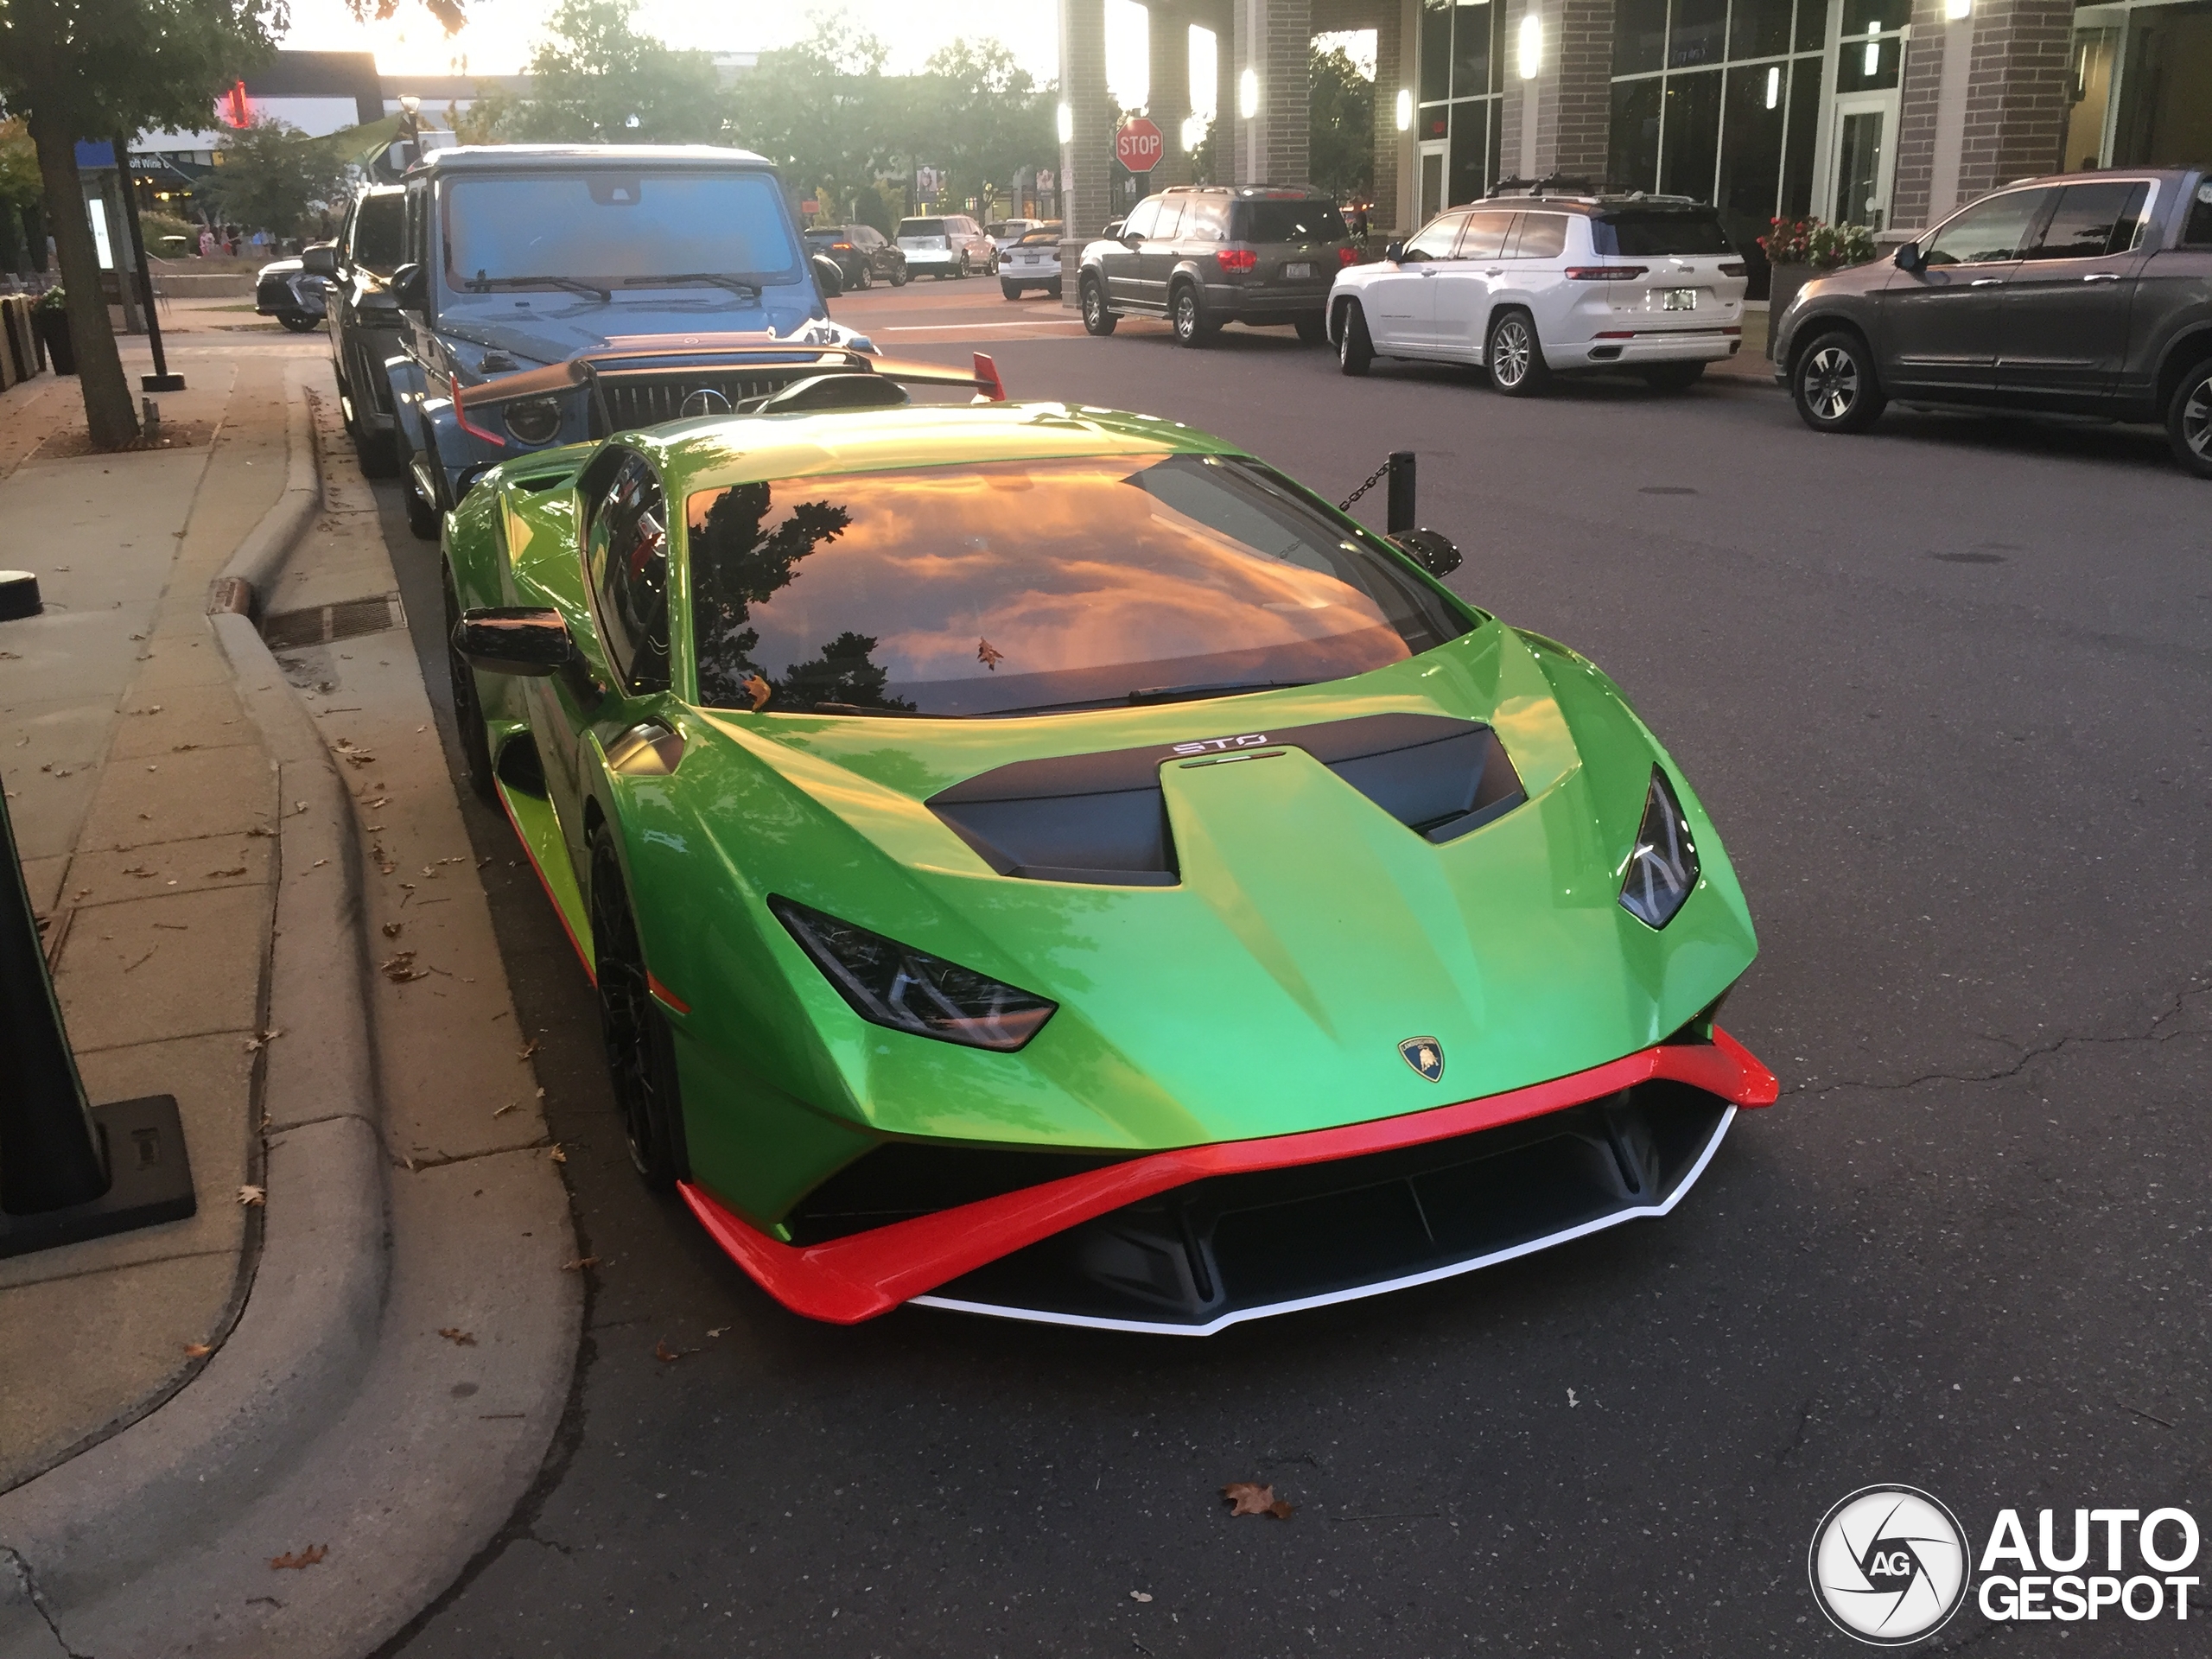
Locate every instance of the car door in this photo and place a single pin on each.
(1118, 260)
(1400, 299)
(2064, 328)
(1938, 326)
(1462, 285)
(1156, 258)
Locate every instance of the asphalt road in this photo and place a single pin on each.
(1943, 689)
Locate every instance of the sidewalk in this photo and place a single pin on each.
(366, 1362)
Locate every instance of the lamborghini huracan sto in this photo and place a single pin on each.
(1043, 861)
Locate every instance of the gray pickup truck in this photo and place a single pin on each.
(2080, 294)
(520, 257)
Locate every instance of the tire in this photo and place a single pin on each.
(1833, 384)
(1514, 357)
(964, 270)
(1355, 350)
(1187, 315)
(1672, 377)
(1009, 290)
(1054, 291)
(421, 515)
(2189, 420)
(1313, 331)
(865, 279)
(1096, 319)
(640, 1050)
(298, 324)
(467, 709)
(377, 452)
(899, 275)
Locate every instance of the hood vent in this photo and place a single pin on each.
(1102, 819)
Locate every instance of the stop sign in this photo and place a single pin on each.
(1139, 146)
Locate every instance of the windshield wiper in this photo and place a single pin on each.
(736, 285)
(482, 284)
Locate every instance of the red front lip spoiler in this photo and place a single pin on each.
(848, 1280)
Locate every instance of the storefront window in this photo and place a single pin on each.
(2165, 87)
(1467, 35)
(1435, 50)
(1697, 33)
(1473, 60)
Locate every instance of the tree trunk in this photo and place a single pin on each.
(110, 416)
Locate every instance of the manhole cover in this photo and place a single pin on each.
(318, 625)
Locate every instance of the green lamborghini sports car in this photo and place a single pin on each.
(1043, 861)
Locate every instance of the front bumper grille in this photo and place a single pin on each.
(635, 399)
(1235, 1247)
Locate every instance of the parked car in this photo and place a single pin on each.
(2082, 293)
(1033, 262)
(861, 254)
(1530, 286)
(658, 263)
(1005, 232)
(295, 291)
(948, 244)
(366, 326)
(1202, 255)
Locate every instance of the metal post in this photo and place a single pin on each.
(160, 379)
(1401, 516)
(68, 1172)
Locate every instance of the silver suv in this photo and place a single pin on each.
(1202, 255)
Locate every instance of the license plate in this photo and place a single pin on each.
(1032, 259)
(1297, 273)
(1678, 299)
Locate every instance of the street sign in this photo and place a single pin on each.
(1138, 146)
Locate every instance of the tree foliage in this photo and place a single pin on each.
(270, 176)
(822, 109)
(986, 116)
(1341, 141)
(598, 79)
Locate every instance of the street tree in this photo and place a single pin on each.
(1340, 153)
(19, 198)
(104, 70)
(270, 176)
(986, 117)
(822, 109)
(597, 79)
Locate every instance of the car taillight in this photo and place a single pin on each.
(1347, 256)
(1237, 259)
(1605, 273)
(1732, 267)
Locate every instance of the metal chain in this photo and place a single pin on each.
(1373, 478)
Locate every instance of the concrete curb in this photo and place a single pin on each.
(270, 542)
(111, 1515)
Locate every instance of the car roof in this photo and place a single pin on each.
(471, 158)
(2094, 175)
(1253, 191)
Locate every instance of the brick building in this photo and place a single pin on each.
(1887, 114)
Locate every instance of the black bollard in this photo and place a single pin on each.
(1402, 492)
(68, 1172)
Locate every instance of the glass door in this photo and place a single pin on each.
(1432, 180)
(1863, 162)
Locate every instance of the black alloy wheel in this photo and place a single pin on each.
(1672, 377)
(1515, 357)
(864, 277)
(1096, 319)
(1834, 387)
(2189, 420)
(467, 709)
(641, 1053)
(1355, 350)
(899, 275)
(1186, 314)
(299, 323)
(963, 265)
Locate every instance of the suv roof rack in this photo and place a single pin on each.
(1240, 189)
(1551, 184)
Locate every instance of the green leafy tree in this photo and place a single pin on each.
(823, 111)
(100, 70)
(1341, 143)
(597, 80)
(19, 194)
(985, 118)
(270, 176)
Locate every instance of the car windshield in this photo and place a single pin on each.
(1290, 221)
(1026, 587)
(1655, 231)
(614, 227)
(380, 232)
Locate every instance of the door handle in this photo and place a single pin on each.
(1986, 281)
(1495, 270)
(1428, 270)
(2102, 276)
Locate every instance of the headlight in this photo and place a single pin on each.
(894, 985)
(1663, 868)
(537, 419)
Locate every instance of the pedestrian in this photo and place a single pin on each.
(207, 243)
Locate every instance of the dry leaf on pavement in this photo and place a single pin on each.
(668, 1356)
(558, 1155)
(580, 1264)
(197, 1351)
(252, 1194)
(527, 1050)
(401, 969)
(260, 1040)
(392, 929)
(459, 1338)
(307, 1557)
(1248, 1498)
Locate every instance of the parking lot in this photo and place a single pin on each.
(1943, 690)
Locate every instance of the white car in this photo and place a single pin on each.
(1005, 232)
(1033, 262)
(946, 245)
(1530, 286)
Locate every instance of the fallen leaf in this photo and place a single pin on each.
(503, 1110)
(1247, 1497)
(251, 1195)
(668, 1356)
(307, 1557)
(527, 1050)
(180, 748)
(197, 1351)
(1140, 1595)
(240, 870)
(401, 969)
(392, 929)
(261, 1040)
(718, 1330)
(459, 1338)
(558, 1155)
(580, 1264)
(258, 830)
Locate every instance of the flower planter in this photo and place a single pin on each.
(1783, 283)
(54, 334)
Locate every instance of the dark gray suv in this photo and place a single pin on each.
(2083, 293)
(1201, 255)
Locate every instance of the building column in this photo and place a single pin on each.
(1561, 121)
(1273, 40)
(1984, 102)
(1394, 68)
(1168, 104)
(1087, 155)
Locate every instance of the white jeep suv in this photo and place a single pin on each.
(1532, 285)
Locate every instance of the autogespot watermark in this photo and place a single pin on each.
(1890, 1565)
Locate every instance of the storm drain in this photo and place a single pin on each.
(319, 625)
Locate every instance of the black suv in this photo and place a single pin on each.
(1201, 255)
(365, 325)
(2084, 293)
(861, 254)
